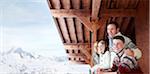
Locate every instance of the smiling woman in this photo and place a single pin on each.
(29, 25)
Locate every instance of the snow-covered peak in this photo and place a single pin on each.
(18, 61)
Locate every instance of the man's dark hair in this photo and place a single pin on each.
(120, 38)
(114, 23)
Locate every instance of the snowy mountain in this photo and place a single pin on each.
(18, 61)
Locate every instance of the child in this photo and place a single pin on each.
(123, 63)
(101, 56)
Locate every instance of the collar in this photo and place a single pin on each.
(119, 33)
(120, 53)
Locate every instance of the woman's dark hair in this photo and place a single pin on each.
(114, 23)
(120, 38)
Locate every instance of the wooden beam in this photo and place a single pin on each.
(49, 4)
(125, 24)
(86, 36)
(77, 46)
(101, 31)
(70, 12)
(78, 25)
(125, 3)
(83, 58)
(66, 4)
(56, 4)
(136, 4)
(86, 13)
(83, 48)
(85, 4)
(86, 22)
(59, 30)
(118, 12)
(79, 31)
(75, 4)
(119, 21)
(64, 29)
(72, 30)
(108, 3)
(76, 43)
(95, 8)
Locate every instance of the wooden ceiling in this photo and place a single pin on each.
(81, 22)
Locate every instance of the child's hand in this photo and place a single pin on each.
(129, 52)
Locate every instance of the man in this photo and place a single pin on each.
(113, 30)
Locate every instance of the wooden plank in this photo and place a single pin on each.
(83, 48)
(72, 30)
(125, 3)
(113, 4)
(84, 52)
(106, 12)
(76, 46)
(119, 12)
(108, 4)
(82, 58)
(59, 30)
(64, 30)
(85, 4)
(50, 4)
(119, 21)
(75, 4)
(79, 31)
(104, 4)
(56, 4)
(86, 35)
(70, 12)
(133, 4)
(118, 3)
(102, 29)
(66, 4)
(77, 43)
(136, 3)
(95, 8)
(86, 22)
(125, 24)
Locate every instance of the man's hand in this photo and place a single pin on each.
(129, 52)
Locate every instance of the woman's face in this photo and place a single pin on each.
(101, 46)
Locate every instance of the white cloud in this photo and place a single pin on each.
(28, 24)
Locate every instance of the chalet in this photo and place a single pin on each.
(82, 22)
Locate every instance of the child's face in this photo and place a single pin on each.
(101, 46)
(118, 45)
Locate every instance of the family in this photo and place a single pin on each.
(116, 53)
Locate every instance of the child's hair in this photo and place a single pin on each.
(120, 38)
(114, 23)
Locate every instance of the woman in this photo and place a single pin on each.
(101, 56)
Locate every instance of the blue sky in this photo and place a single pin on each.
(29, 25)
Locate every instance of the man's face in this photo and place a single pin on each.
(118, 45)
(112, 30)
